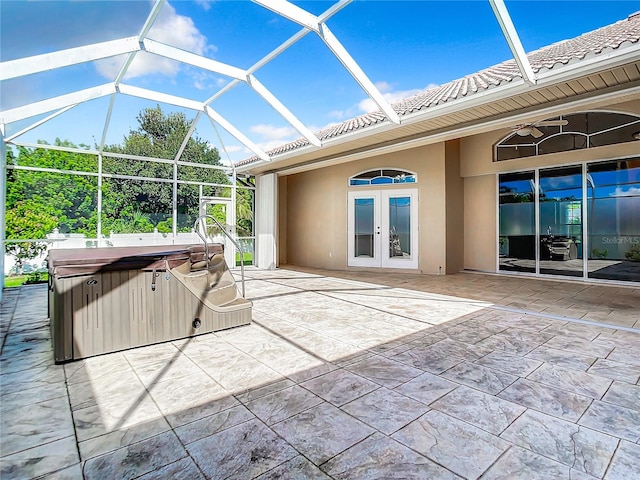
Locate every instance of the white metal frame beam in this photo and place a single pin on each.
(160, 97)
(238, 74)
(219, 119)
(68, 57)
(511, 35)
(132, 45)
(55, 103)
(316, 24)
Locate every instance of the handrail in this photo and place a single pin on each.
(206, 245)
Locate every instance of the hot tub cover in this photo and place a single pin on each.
(68, 262)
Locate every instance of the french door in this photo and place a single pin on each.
(383, 228)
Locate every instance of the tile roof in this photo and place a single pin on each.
(585, 46)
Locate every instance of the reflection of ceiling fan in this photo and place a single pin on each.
(531, 128)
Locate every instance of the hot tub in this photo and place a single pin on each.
(109, 299)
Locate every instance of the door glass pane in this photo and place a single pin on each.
(364, 227)
(399, 227)
(561, 221)
(517, 222)
(613, 203)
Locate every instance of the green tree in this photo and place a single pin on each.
(159, 135)
(25, 220)
(38, 202)
(244, 209)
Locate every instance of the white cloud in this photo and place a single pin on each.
(205, 4)
(273, 133)
(626, 192)
(170, 28)
(235, 148)
(272, 136)
(390, 95)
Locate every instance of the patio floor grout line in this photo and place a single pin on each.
(565, 319)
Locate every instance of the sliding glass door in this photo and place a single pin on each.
(517, 234)
(574, 221)
(560, 221)
(613, 209)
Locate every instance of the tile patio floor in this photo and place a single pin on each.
(342, 375)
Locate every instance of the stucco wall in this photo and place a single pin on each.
(480, 223)
(457, 201)
(454, 208)
(316, 209)
(477, 151)
(479, 172)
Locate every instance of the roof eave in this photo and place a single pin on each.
(557, 75)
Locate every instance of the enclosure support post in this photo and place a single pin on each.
(266, 215)
(3, 203)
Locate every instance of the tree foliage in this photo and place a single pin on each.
(70, 198)
(159, 135)
(37, 201)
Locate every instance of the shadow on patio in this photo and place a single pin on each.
(363, 376)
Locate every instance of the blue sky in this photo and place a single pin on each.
(403, 47)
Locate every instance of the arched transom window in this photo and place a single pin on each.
(568, 132)
(383, 176)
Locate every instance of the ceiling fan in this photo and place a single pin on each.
(526, 129)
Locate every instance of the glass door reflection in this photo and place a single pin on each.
(560, 221)
(517, 239)
(399, 227)
(364, 223)
(613, 209)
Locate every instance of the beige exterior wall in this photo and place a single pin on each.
(480, 223)
(480, 184)
(454, 208)
(476, 152)
(457, 201)
(316, 209)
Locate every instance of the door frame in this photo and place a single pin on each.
(381, 235)
(230, 221)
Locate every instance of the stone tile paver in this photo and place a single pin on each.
(625, 463)
(283, 404)
(562, 358)
(485, 411)
(297, 467)
(212, 424)
(382, 457)
(575, 381)
(483, 378)
(321, 432)
(615, 370)
(243, 451)
(426, 388)
(339, 386)
(508, 363)
(134, 460)
(353, 375)
(613, 419)
(565, 442)
(384, 371)
(547, 399)
(623, 394)
(520, 463)
(446, 440)
(385, 410)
